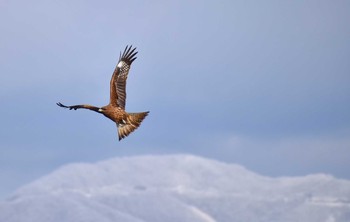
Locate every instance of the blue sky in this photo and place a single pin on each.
(264, 84)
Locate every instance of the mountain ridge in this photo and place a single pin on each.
(176, 188)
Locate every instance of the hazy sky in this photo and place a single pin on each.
(265, 84)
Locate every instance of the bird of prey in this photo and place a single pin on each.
(115, 110)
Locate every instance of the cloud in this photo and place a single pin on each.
(284, 155)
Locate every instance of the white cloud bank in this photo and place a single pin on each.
(175, 188)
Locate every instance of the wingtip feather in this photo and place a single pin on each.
(128, 54)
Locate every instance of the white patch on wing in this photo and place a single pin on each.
(121, 64)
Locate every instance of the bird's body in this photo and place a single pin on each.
(116, 114)
(115, 110)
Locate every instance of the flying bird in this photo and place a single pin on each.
(115, 110)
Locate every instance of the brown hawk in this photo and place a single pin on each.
(115, 110)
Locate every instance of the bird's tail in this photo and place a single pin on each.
(134, 121)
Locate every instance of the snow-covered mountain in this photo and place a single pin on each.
(175, 188)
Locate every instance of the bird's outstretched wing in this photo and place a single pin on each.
(75, 107)
(120, 74)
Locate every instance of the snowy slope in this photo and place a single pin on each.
(176, 188)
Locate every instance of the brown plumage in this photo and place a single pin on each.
(115, 110)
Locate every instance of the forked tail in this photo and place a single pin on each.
(133, 122)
